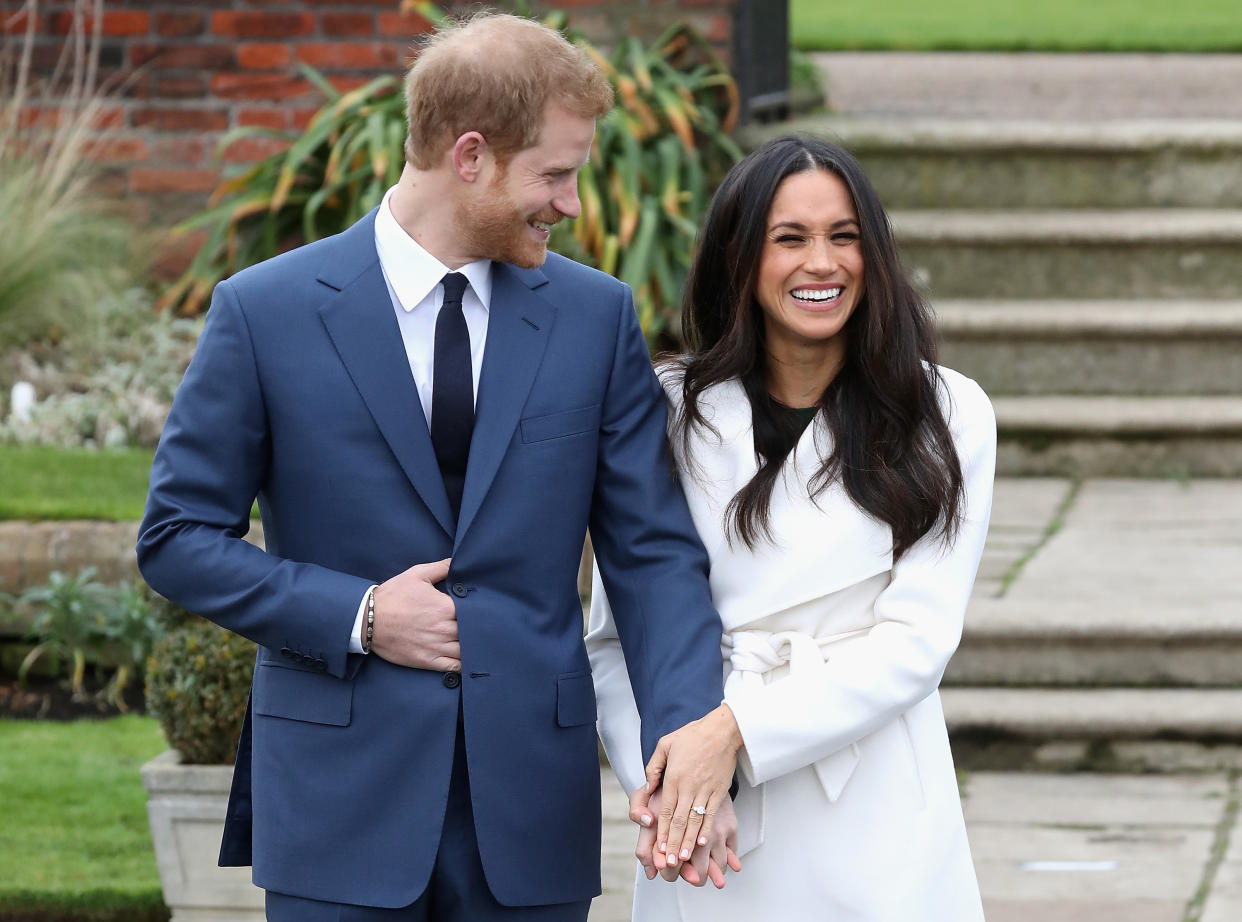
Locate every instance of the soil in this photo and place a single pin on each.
(51, 699)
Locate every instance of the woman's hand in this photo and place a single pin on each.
(707, 862)
(694, 768)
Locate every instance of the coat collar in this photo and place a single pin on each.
(819, 545)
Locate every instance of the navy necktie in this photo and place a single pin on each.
(452, 391)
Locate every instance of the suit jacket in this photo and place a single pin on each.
(300, 394)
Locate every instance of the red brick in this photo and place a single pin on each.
(38, 117)
(258, 86)
(403, 25)
(179, 24)
(268, 118)
(182, 151)
(171, 86)
(196, 57)
(109, 118)
(347, 24)
(345, 84)
(349, 55)
(168, 118)
(300, 118)
(158, 179)
(115, 23)
(264, 56)
(261, 24)
(248, 150)
(116, 149)
(14, 22)
(176, 252)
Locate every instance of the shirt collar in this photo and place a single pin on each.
(414, 273)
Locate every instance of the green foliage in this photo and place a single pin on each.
(80, 619)
(75, 843)
(657, 158)
(1017, 25)
(62, 244)
(198, 681)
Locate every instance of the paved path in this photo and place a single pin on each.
(1070, 87)
(1085, 847)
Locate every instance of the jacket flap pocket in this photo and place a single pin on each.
(558, 425)
(575, 699)
(299, 695)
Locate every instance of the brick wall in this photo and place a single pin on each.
(198, 68)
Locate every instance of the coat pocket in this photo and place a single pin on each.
(296, 694)
(559, 425)
(575, 699)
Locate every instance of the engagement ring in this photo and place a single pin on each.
(701, 811)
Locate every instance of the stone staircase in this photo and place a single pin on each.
(1086, 268)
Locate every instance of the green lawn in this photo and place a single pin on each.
(58, 483)
(74, 831)
(995, 25)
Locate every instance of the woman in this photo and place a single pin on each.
(842, 483)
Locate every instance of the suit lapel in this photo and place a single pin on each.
(518, 325)
(360, 321)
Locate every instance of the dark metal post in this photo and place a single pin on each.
(761, 58)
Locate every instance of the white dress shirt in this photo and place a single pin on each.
(414, 280)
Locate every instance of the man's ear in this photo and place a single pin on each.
(470, 155)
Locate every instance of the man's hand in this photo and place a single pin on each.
(416, 623)
(707, 862)
(694, 767)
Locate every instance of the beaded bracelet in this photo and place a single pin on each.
(366, 642)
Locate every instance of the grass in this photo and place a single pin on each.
(1018, 25)
(59, 483)
(75, 834)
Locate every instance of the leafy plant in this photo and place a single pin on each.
(71, 619)
(131, 629)
(61, 243)
(198, 681)
(655, 161)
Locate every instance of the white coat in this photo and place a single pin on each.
(848, 807)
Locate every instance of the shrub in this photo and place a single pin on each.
(198, 681)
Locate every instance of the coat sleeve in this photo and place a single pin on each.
(619, 723)
(650, 558)
(210, 465)
(801, 718)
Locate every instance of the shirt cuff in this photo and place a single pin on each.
(355, 638)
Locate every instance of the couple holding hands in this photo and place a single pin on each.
(432, 411)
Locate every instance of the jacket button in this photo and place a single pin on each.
(286, 652)
(451, 679)
(321, 664)
(307, 659)
(459, 590)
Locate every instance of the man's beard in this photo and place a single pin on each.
(494, 228)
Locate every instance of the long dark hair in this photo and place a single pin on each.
(891, 445)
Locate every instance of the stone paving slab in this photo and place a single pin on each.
(1144, 542)
(1021, 511)
(1224, 902)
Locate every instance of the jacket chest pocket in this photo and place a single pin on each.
(295, 694)
(560, 425)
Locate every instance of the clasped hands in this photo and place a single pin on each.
(692, 767)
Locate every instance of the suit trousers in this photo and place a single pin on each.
(457, 891)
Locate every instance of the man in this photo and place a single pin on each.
(431, 417)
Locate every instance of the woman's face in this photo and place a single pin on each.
(811, 267)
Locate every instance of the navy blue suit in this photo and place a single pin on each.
(300, 394)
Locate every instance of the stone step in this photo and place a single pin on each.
(1012, 643)
(1133, 347)
(1119, 436)
(1105, 714)
(1018, 164)
(1182, 254)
